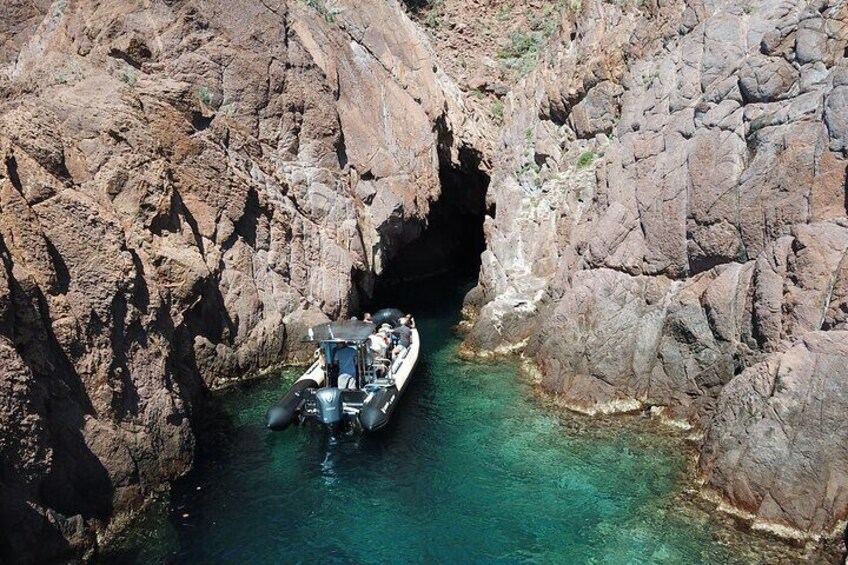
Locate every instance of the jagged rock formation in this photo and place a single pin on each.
(183, 185)
(671, 232)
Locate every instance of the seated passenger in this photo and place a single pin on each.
(377, 350)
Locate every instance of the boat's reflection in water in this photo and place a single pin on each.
(335, 451)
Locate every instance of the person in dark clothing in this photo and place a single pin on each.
(404, 335)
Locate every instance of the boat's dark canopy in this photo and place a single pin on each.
(347, 330)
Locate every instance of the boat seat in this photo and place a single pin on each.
(382, 361)
(347, 381)
(399, 360)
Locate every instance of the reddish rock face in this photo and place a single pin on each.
(671, 213)
(778, 414)
(183, 186)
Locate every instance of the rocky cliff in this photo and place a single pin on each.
(186, 183)
(671, 234)
(183, 185)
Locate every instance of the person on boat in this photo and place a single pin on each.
(386, 330)
(377, 350)
(404, 335)
(366, 317)
(348, 371)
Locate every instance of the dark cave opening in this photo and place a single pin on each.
(447, 253)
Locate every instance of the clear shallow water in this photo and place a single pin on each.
(469, 471)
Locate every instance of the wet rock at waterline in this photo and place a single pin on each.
(777, 414)
(672, 224)
(185, 186)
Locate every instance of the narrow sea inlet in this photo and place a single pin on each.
(470, 470)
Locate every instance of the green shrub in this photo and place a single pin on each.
(521, 45)
(204, 95)
(522, 53)
(527, 167)
(498, 109)
(585, 160)
(128, 77)
(319, 6)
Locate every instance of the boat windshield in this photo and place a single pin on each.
(347, 331)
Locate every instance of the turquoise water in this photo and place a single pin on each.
(469, 471)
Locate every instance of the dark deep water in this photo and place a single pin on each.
(471, 470)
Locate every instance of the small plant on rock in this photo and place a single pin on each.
(128, 77)
(329, 14)
(585, 160)
(434, 14)
(527, 167)
(498, 109)
(59, 8)
(204, 95)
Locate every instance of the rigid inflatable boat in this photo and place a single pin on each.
(349, 385)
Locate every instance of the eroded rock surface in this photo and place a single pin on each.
(671, 223)
(184, 185)
(763, 450)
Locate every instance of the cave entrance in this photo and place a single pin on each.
(446, 256)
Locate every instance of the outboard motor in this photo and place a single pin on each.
(329, 404)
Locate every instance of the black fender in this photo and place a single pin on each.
(389, 316)
(284, 412)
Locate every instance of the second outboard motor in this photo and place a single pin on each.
(329, 403)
